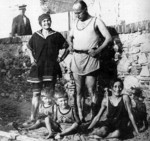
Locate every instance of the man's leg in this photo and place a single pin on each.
(91, 86)
(79, 82)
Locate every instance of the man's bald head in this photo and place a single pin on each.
(79, 4)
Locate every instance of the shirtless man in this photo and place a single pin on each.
(87, 45)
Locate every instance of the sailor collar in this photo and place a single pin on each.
(40, 33)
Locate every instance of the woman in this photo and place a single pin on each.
(44, 47)
(118, 112)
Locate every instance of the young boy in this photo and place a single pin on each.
(65, 115)
(44, 116)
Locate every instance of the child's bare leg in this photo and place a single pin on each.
(114, 134)
(49, 127)
(36, 125)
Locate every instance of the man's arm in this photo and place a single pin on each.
(71, 37)
(100, 26)
(65, 53)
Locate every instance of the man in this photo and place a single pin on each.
(87, 44)
(21, 24)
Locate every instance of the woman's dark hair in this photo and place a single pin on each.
(112, 82)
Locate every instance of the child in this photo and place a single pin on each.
(118, 112)
(138, 108)
(65, 115)
(44, 116)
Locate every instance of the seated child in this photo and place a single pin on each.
(44, 115)
(139, 108)
(65, 115)
(118, 113)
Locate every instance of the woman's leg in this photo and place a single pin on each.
(34, 103)
(50, 85)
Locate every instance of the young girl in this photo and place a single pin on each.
(118, 112)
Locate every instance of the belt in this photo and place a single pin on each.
(81, 51)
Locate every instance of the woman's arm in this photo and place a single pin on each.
(31, 56)
(100, 113)
(127, 103)
(30, 49)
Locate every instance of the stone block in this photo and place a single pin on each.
(123, 28)
(145, 48)
(135, 69)
(141, 26)
(133, 27)
(145, 71)
(148, 26)
(142, 59)
(119, 29)
(127, 29)
(134, 50)
(136, 27)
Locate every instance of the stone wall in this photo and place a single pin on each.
(132, 46)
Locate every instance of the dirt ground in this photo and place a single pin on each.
(11, 110)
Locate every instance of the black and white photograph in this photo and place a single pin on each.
(74, 70)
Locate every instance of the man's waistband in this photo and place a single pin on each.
(81, 51)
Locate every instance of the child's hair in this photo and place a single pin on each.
(112, 82)
(60, 93)
(45, 93)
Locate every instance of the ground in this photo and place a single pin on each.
(12, 110)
